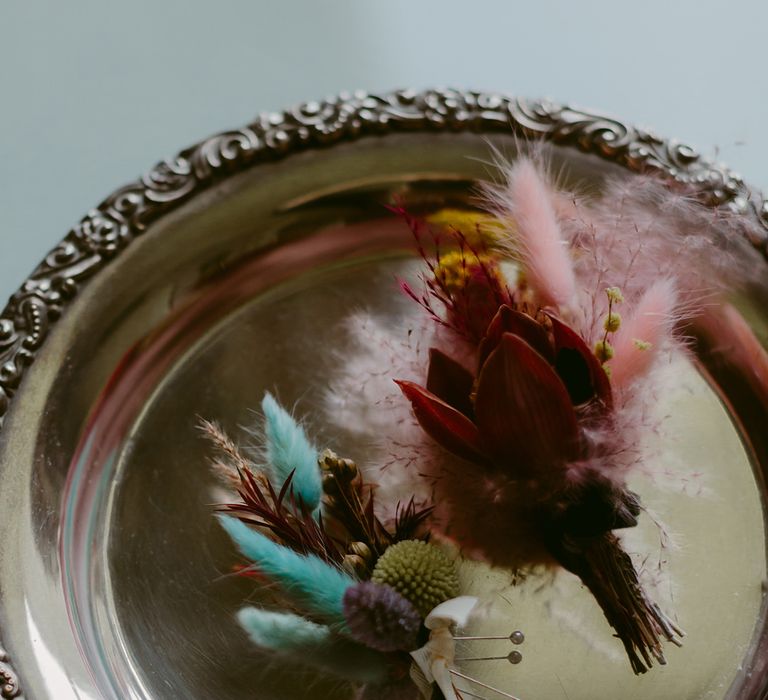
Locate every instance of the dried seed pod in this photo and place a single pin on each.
(356, 566)
(330, 485)
(362, 550)
(338, 468)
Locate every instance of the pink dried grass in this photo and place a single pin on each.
(527, 200)
(643, 335)
(362, 400)
(642, 229)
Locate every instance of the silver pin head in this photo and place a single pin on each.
(514, 657)
(517, 637)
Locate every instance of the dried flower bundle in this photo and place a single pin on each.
(524, 396)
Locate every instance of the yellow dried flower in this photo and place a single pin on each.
(477, 227)
(642, 344)
(614, 295)
(420, 572)
(603, 350)
(454, 269)
(612, 322)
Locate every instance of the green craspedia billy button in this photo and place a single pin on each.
(420, 572)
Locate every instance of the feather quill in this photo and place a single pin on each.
(311, 583)
(312, 644)
(289, 451)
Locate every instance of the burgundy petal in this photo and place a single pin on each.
(523, 410)
(449, 428)
(580, 370)
(450, 381)
(508, 320)
(479, 304)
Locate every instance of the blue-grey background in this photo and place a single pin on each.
(92, 92)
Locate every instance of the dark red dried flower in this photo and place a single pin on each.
(521, 409)
(521, 418)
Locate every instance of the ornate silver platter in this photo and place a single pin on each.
(224, 272)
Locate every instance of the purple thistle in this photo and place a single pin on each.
(379, 617)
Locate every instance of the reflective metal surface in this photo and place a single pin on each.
(113, 574)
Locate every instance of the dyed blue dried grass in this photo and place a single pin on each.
(283, 632)
(310, 644)
(311, 583)
(289, 451)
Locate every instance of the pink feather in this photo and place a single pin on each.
(638, 340)
(530, 202)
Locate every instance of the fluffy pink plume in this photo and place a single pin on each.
(363, 401)
(641, 336)
(643, 228)
(530, 202)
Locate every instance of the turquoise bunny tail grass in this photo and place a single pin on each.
(289, 452)
(283, 632)
(311, 583)
(311, 644)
